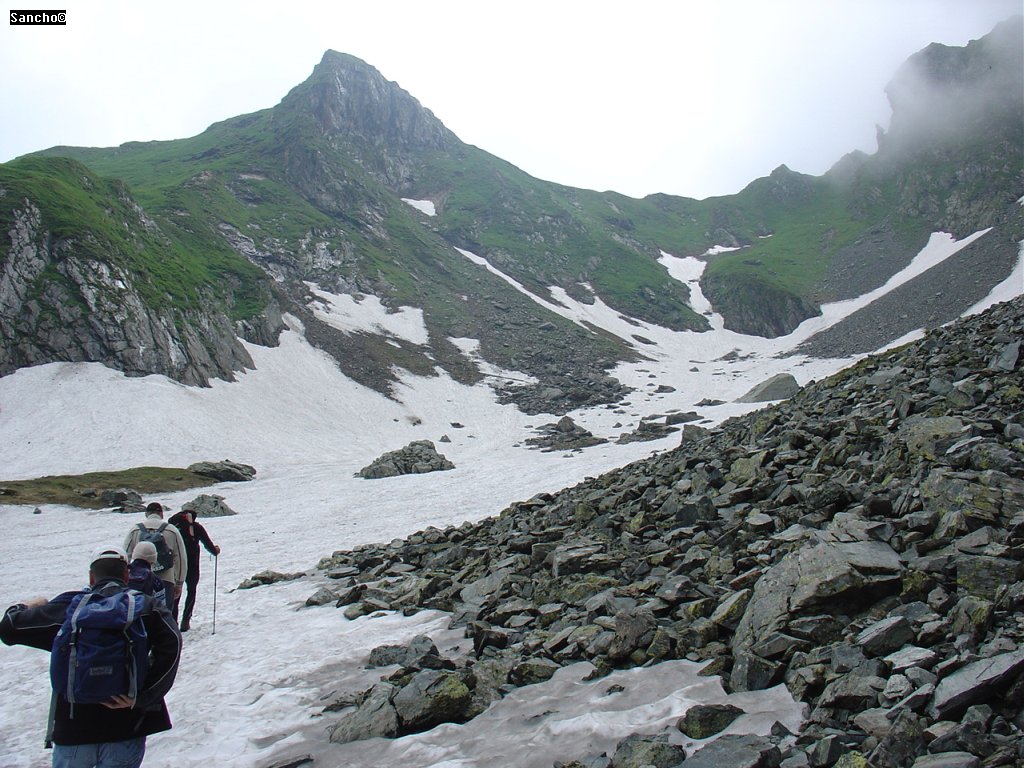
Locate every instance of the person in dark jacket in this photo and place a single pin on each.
(112, 733)
(192, 533)
(140, 571)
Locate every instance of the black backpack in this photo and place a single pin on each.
(155, 536)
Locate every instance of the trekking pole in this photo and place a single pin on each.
(214, 595)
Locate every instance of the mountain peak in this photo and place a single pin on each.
(349, 97)
(943, 92)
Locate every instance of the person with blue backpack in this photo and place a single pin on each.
(114, 654)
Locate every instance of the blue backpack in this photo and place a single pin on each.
(101, 650)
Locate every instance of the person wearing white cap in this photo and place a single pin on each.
(140, 571)
(113, 732)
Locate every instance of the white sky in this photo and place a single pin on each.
(695, 99)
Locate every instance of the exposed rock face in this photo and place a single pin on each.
(861, 543)
(94, 312)
(417, 458)
(755, 309)
(348, 96)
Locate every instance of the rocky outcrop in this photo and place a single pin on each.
(226, 470)
(417, 458)
(209, 505)
(426, 691)
(59, 304)
(861, 543)
(263, 578)
(564, 435)
(650, 429)
(756, 309)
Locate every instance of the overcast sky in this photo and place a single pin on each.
(689, 98)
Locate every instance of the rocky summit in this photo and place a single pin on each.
(860, 543)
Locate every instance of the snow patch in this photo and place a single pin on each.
(717, 249)
(423, 206)
(471, 349)
(367, 313)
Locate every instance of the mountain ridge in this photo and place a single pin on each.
(311, 191)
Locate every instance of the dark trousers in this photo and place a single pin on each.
(172, 601)
(191, 582)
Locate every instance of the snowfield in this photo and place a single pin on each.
(252, 693)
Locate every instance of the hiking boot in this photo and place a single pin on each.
(184, 627)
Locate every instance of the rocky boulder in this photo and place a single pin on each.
(417, 458)
(564, 435)
(704, 720)
(779, 387)
(209, 505)
(225, 471)
(122, 500)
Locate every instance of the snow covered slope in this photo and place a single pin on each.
(249, 694)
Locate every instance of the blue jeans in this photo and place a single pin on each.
(112, 754)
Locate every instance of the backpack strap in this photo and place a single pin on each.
(51, 721)
(133, 682)
(73, 661)
(162, 528)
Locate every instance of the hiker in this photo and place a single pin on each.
(140, 571)
(192, 533)
(112, 732)
(171, 564)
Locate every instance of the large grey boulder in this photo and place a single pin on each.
(209, 505)
(975, 682)
(779, 387)
(417, 458)
(885, 636)
(632, 627)
(930, 437)
(122, 499)
(420, 653)
(948, 760)
(375, 716)
(430, 698)
(226, 470)
(640, 751)
(819, 575)
(735, 751)
(704, 720)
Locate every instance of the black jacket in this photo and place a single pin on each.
(192, 535)
(94, 723)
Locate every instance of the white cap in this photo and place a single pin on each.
(144, 550)
(109, 553)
